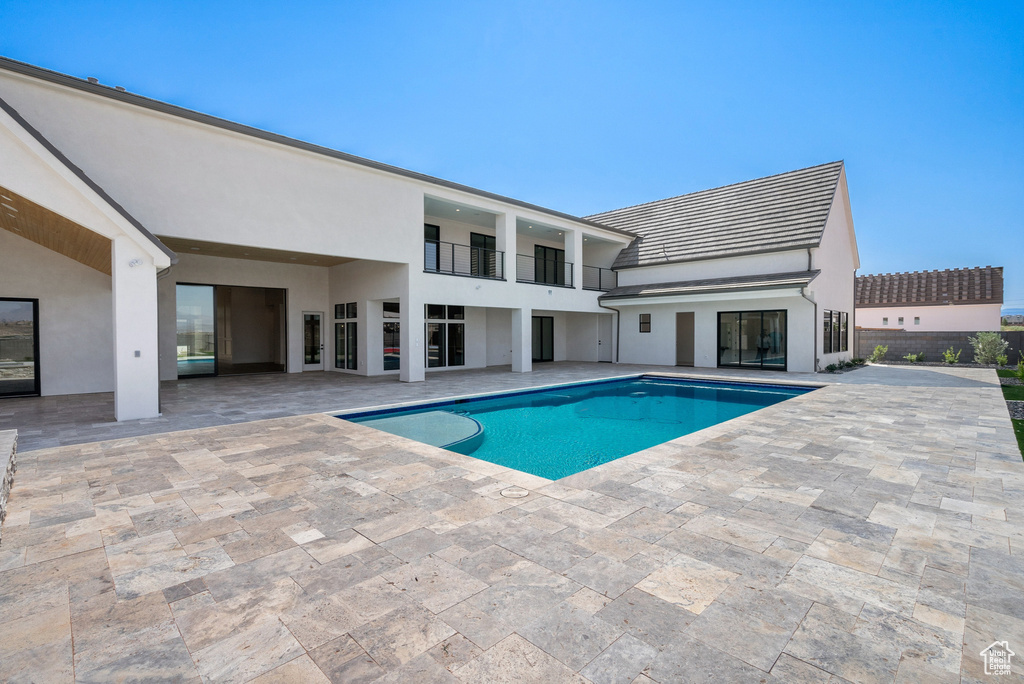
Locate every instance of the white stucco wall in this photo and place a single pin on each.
(959, 317)
(76, 340)
(756, 264)
(659, 346)
(838, 260)
(306, 286)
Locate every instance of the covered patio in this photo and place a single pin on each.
(868, 531)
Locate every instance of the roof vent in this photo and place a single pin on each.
(93, 79)
(119, 89)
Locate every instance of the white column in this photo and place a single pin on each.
(522, 340)
(574, 255)
(136, 357)
(411, 334)
(505, 241)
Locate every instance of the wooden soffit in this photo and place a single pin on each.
(226, 251)
(25, 218)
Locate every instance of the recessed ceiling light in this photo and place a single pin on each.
(458, 210)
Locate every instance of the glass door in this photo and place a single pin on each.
(312, 341)
(752, 339)
(543, 338)
(19, 347)
(197, 331)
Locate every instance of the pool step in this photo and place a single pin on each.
(444, 429)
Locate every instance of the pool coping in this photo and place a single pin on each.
(380, 409)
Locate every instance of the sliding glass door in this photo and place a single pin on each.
(197, 332)
(19, 347)
(228, 330)
(752, 339)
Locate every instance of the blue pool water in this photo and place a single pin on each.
(563, 430)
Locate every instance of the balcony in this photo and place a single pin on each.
(600, 279)
(463, 260)
(543, 271)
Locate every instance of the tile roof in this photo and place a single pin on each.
(770, 281)
(930, 288)
(787, 211)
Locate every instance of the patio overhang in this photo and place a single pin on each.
(231, 251)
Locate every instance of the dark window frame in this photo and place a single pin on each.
(645, 322)
(761, 312)
(37, 385)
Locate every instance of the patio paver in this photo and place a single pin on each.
(867, 531)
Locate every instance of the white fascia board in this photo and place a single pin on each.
(709, 297)
(117, 226)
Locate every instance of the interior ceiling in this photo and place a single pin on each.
(220, 249)
(463, 213)
(34, 222)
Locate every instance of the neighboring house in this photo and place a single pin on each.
(756, 275)
(1013, 319)
(146, 242)
(959, 299)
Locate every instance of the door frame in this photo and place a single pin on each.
(37, 385)
(313, 366)
(693, 336)
(533, 352)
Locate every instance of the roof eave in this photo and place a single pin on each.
(58, 78)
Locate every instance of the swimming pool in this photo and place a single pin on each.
(558, 431)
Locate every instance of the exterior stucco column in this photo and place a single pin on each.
(522, 340)
(136, 355)
(574, 255)
(505, 242)
(411, 335)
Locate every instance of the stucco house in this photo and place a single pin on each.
(958, 299)
(146, 242)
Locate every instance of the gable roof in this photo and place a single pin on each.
(786, 211)
(156, 105)
(772, 281)
(931, 288)
(82, 176)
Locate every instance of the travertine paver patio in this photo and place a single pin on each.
(867, 531)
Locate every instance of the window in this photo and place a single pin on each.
(548, 265)
(835, 336)
(753, 339)
(483, 259)
(446, 341)
(645, 323)
(885, 320)
(899, 321)
(392, 337)
(431, 247)
(345, 345)
(826, 338)
(917, 320)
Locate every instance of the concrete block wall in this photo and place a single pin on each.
(901, 343)
(8, 448)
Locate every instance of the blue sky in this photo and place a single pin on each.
(589, 106)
